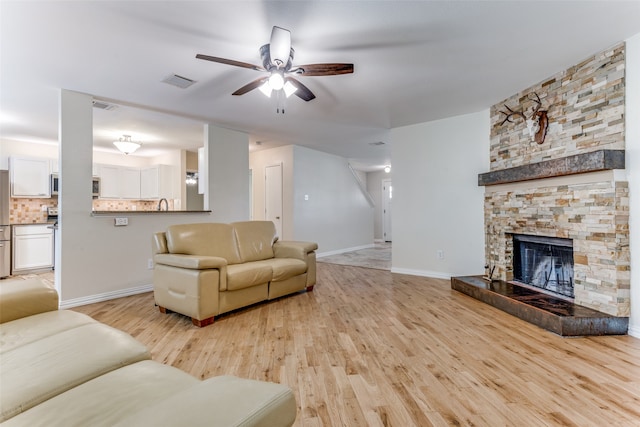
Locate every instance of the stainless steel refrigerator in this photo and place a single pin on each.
(5, 229)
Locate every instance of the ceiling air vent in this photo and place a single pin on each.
(179, 81)
(376, 143)
(103, 105)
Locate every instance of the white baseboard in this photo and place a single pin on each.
(105, 296)
(634, 331)
(423, 273)
(341, 251)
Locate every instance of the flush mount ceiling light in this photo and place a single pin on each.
(387, 169)
(126, 145)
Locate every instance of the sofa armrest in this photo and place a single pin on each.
(222, 401)
(291, 249)
(193, 262)
(22, 298)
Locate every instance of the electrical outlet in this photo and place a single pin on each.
(150, 264)
(120, 221)
(440, 254)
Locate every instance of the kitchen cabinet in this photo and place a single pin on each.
(32, 248)
(117, 182)
(130, 183)
(156, 182)
(30, 177)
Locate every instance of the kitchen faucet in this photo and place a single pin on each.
(166, 204)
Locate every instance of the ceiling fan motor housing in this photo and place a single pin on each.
(265, 55)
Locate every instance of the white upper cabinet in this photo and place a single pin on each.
(109, 181)
(30, 177)
(130, 183)
(156, 182)
(117, 182)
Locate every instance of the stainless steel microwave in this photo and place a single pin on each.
(95, 185)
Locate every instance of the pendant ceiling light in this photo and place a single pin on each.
(126, 145)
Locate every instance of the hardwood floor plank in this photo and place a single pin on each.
(372, 348)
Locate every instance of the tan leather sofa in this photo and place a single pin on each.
(206, 269)
(62, 368)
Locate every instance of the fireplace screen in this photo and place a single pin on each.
(544, 262)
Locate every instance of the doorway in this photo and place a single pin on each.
(273, 196)
(387, 196)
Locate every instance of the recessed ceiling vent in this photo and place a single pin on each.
(377, 143)
(104, 106)
(178, 81)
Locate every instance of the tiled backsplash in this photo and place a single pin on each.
(29, 211)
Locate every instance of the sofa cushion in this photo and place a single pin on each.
(255, 239)
(21, 298)
(46, 367)
(246, 275)
(26, 330)
(109, 398)
(224, 401)
(209, 239)
(285, 268)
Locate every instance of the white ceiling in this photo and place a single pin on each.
(415, 61)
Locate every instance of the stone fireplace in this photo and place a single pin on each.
(566, 188)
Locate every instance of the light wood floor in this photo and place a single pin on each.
(371, 348)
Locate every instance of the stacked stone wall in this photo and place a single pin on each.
(585, 106)
(586, 113)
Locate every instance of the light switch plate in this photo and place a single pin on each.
(118, 222)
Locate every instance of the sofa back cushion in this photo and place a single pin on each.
(255, 239)
(205, 239)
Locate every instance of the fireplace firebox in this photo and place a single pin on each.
(544, 262)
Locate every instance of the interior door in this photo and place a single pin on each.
(387, 196)
(273, 196)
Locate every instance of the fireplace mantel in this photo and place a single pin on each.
(580, 163)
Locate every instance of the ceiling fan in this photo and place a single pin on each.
(277, 61)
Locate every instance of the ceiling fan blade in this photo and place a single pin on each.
(229, 62)
(280, 46)
(303, 91)
(323, 69)
(251, 86)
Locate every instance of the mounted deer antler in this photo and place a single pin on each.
(537, 122)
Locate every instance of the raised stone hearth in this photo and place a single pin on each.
(553, 314)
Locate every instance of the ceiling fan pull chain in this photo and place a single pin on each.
(280, 100)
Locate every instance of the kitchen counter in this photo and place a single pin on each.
(153, 212)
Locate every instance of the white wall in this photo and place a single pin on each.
(94, 259)
(437, 203)
(632, 148)
(336, 215)
(227, 190)
(10, 148)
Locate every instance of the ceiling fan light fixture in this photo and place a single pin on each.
(289, 88)
(126, 145)
(276, 80)
(266, 89)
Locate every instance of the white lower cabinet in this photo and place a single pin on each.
(32, 248)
